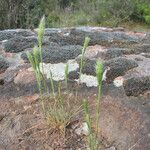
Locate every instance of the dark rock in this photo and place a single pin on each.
(136, 85)
(7, 34)
(56, 54)
(3, 64)
(18, 44)
(118, 67)
(89, 67)
(116, 52)
(144, 48)
(77, 37)
(73, 75)
(125, 38)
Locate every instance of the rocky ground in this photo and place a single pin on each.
(125, 114)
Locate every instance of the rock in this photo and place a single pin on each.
(25, 77)
(142, 48)
(123, 120)
(77, 37)
(19, 43)
(118, 67)
(88, 80)
(8, 34)
(10, 74)
(94, 51)
(57, 54)
(89, 67)
(136, 85)
(111, 148)
(115, 52)
(82, 129)
(3, 64)
(118, 81)
(73, 74)
(58, 70)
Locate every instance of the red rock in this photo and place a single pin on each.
(24, 77)
(32, 98)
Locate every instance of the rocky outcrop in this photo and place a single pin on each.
(57, 54)
(118, 67)
(137, 85)
(8, 34)
(125, 103)
(19, 43)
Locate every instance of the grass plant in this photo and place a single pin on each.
(34, 60)
(85, 45)
(92, 141)
(60, 108)
(99, 75)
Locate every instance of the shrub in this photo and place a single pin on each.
(144, 10)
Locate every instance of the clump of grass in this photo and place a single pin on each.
(92, 142)
(85, 45)
(34, 60)
(61, 110)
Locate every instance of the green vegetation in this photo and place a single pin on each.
(93, 142)
(58, 13)
(85, 45)
(59, 107)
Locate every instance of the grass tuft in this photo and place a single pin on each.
(85, 45)
(61, 108)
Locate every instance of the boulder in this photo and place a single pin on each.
(118, 67)
(115, 67)
(136, 85)
(142, 48)
(19, 43)
(8, 34)
(77, 37)
(57, 54)
(115, 52)
(25, 74)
